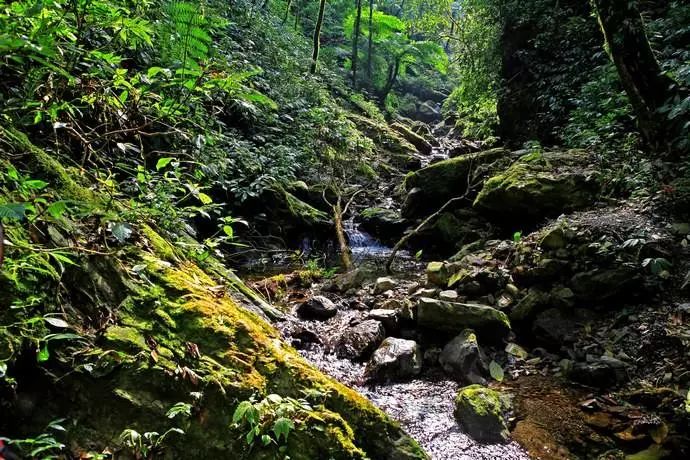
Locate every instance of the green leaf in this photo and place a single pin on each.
(517, 236)
(205, 199)
(265, 439)
(57, 209)
(282, 427)
(163, 162)
(15, 211)
(55, 322)
(228, 231)
(3, 369)
(121, 231)
(35, 184)
(496, 371)
(241, 409)
(43, 354)
(687, 403)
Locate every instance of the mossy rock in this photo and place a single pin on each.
(453, 317)
(479, 411)
(446, 179)
(540, 185)
(171, 329)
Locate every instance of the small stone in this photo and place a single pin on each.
(449, 295)
(516, 350)
(389, 319)
(360, 340)
(512, 290)
(429, 292)
(437, 274)
(384, 284)
(680, 228)
(553, 239)
(479, 411)
(395, 359)
(318, 307)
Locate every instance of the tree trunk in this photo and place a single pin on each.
(371, 38)
(393, 69)
(2, 244)
(647, 87)
(355, 43)
(287, 11)
(345, 254)
(317, 38)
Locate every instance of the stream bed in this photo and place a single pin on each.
(423, 405)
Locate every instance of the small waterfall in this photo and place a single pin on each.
(361, 243)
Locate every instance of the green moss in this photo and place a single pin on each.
(161, 247)
(480, 400)
(449, 178)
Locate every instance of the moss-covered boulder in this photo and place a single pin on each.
(480, 412)
(540, 185)
(444, 180)
(455, 317)
(385, 224)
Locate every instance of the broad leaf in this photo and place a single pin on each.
(496, 371)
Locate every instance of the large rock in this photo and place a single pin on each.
(395, 359)
(602, 284)
(464, 360)
(555, 327)
(444, 180)
(454, 317)
(289, 214)
(479, 411)
(384, 224)
(318, 307)
(359, 341)
(604, 372)
(540, 185)
(384, 284)
(353, 279)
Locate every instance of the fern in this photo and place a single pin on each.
(189, 42)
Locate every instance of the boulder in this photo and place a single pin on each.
(384, 224)
(477, 280)
(318, 307)
(350, 280)
(479, 411)
(290, 214)
(539, 185)
(464, 360)
(413, 138)
(450, 231)
(604, 284)
(360, 340)
(544, 271)
(444, 180)
(395, 359)
(604, 372)
(384, 284)
(454, 317)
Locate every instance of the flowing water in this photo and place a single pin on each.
(424, 405)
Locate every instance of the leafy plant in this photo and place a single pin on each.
(270, 420)
(151, 443)
(45, 446)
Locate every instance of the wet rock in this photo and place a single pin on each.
(463, 359)
(403, 307)
(318, 307)
(437, 274)
(303, 337)
(360, 340)
(540, 185)
(395, 359)
(600, 284)
(437, 183)
(429, 292)
(479, 411)
(384, 284)
(454, 316)
(448, 296)
(350, 280)
(604, 372)
(384, 224)
(389, 319)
